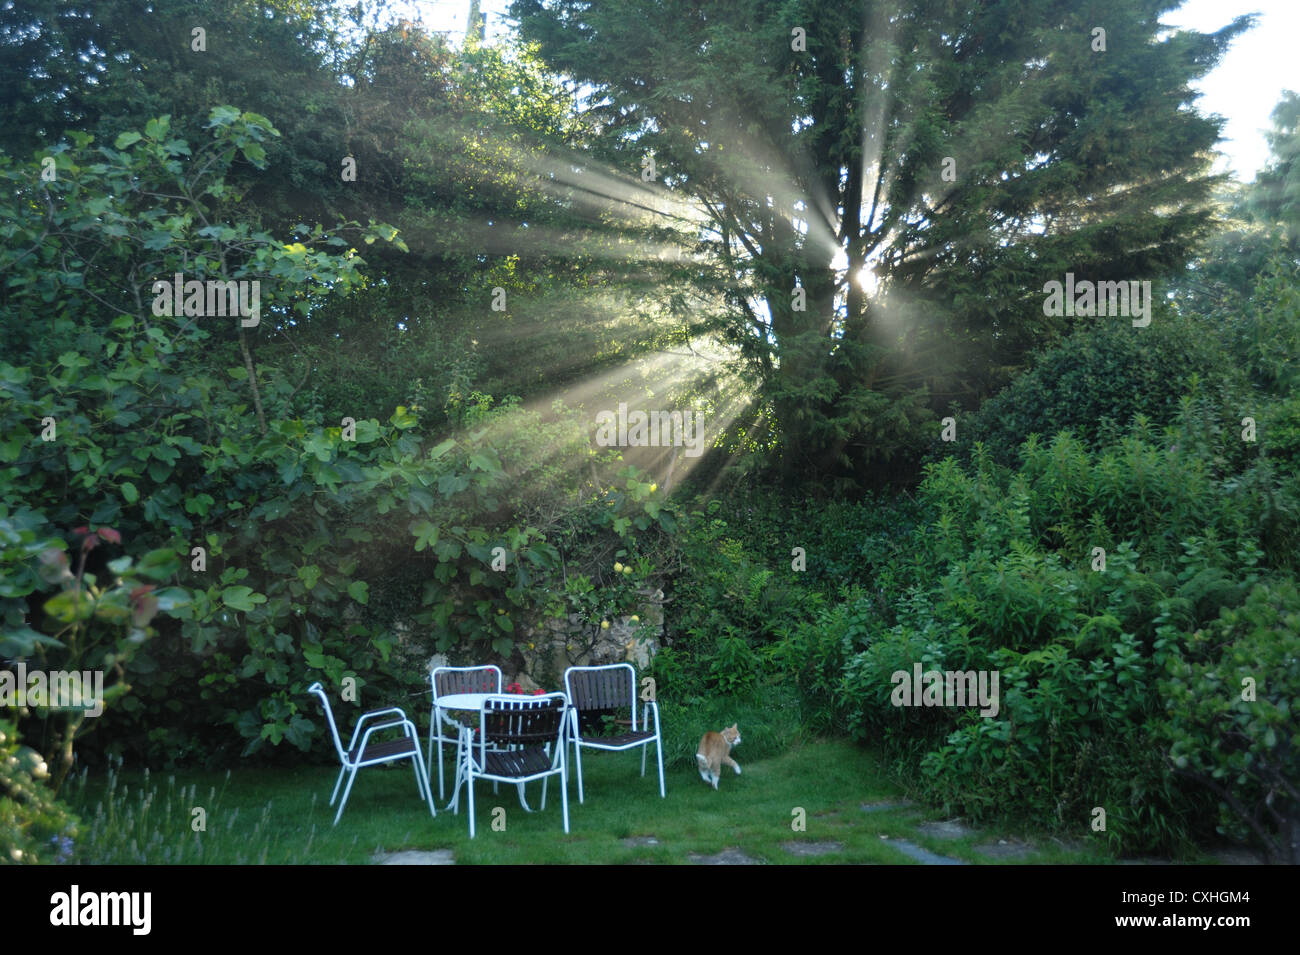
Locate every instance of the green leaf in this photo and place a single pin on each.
(19, 642)
(129, 492)
(482, 461)
(158, 564)
(69, 606)
(241, 598)
(441, 449)
(126, 139)
(426, 534)
(222, 116)
(359, 591)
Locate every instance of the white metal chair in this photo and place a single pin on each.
(597, 691)
(446, 681)
(519, 739)
(365, 753)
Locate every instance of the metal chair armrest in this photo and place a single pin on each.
(384, 712)
(356, 730)
(406, 725)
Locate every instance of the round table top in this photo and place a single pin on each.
(463, 701)
(474, 701)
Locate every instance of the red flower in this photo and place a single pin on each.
(143, 605)
(110, 535)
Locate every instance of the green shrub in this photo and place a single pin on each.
(1095, 382)
(1232, 724)
(1008, 581)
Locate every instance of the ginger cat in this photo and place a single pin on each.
(714, 750)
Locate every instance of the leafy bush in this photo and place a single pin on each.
(1095, 382)
(1007, 580)
(1231, 723)
(278, 526)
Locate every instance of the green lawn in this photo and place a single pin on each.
(282, 816)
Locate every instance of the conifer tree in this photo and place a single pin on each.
(958, 153)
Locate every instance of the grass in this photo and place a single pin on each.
(283, 816)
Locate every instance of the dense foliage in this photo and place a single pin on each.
(945, 150)
(394, 459)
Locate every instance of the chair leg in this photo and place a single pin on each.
(659, 751)
(346, 790)
(470, 782)
(577, 752)
(422, 783)
(564, 798)
(643, 749)
(339, 782)
(429, 758)
(440, 790)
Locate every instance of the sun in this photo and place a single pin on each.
(867, 279)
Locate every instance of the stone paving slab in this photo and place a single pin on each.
(633, 842)
(886, 806)
(414, 857)
(948, 829)
(725, 857)
(1005, 849)
(924, 856)
(812, 848)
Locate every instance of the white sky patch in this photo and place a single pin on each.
(1249, 80)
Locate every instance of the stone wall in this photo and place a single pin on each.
(542, 653)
